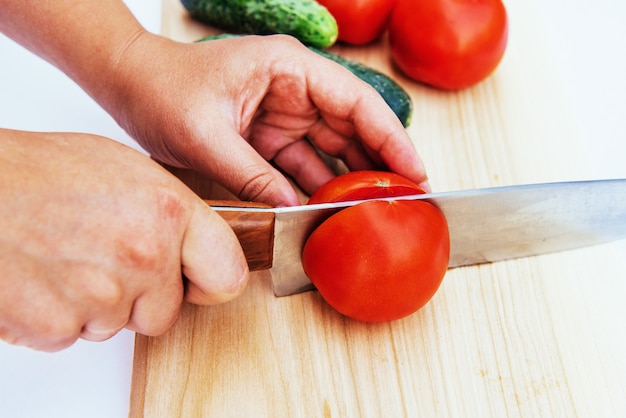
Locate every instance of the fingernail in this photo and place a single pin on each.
(426, 186)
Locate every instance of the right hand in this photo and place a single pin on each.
(97, 237)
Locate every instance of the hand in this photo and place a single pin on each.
(226, 107)
(96, 237)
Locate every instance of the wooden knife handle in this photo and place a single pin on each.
(254, 230)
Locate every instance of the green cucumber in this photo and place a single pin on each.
(398, 100)
(306, 20)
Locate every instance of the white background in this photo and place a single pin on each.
(588, 38)
(93, 379)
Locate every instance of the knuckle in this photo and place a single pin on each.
(258, 182)
(143, 254)
(169, 206)
(107, 292)
(147, 247)
(283, 39)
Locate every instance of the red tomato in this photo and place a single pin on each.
(450, 44)
(378, 261)
(360, 21)
(357, 185)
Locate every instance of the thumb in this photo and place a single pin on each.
(212, 259)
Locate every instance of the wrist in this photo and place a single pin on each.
(131, 80)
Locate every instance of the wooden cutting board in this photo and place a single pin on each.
(541, 336)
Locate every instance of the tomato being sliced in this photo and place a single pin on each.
(377, 261)
(366, 184)
(359, 21)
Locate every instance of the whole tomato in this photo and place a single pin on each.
(360, 21)
(450, 44)
(377, 261)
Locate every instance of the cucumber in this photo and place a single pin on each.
(306, 20)
(394, 95)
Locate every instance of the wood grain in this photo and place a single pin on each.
(254, 230)
(536, 337)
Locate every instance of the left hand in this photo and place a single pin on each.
(226, 107)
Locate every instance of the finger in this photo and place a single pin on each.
(49, 345)
(212, 259)
(156, 310)
(285, 140)
(374, 122)
(102, 329)
(353, 152)
(49, 337)
(282, 138)
(154, 302)
(49, 325)
(97, 333)
(246, 173)
(303, 163)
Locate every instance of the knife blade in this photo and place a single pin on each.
(486, 225)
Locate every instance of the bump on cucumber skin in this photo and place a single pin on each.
(393, 94)
(306, 20)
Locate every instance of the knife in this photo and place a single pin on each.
(486, 225)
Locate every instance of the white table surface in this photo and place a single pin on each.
(93, 379)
